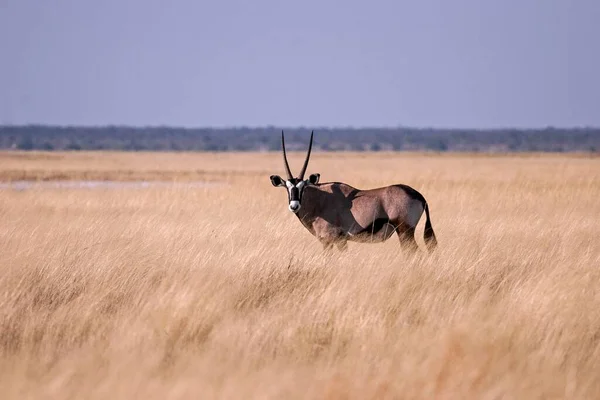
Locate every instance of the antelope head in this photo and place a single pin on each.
(295, 186)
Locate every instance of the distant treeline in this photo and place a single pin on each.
(41, 137)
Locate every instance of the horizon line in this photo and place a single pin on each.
(298, 127)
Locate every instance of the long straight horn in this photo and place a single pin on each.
(285, 161)
(307, 156)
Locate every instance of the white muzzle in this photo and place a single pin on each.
(294, 206)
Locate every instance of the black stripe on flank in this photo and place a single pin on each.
(375, 227)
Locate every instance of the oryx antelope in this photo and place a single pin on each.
(336, 212)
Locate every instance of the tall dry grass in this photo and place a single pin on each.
(219, 292)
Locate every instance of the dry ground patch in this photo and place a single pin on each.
(218, 292)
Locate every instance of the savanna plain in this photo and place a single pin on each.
(182, 289)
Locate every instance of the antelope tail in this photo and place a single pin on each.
(429, 234)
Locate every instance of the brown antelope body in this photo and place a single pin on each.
(336, 212)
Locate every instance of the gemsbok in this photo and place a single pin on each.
(336, 212)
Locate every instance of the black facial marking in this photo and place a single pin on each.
(294, 194)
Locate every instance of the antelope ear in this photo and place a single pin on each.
(276, 180)
(314, 178)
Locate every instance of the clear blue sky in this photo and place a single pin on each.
(440, 63)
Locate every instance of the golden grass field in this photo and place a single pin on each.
(219, 292)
